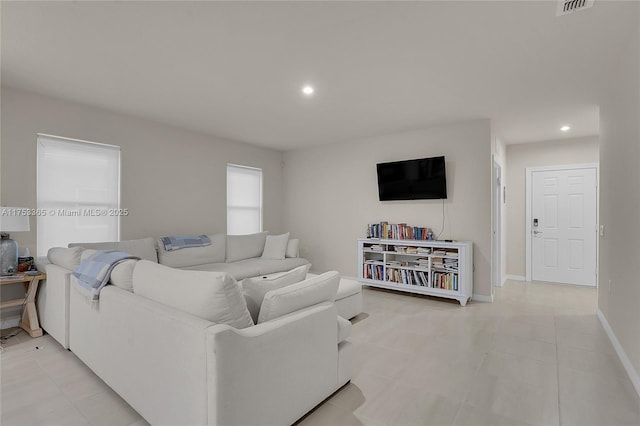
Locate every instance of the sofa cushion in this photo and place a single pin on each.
(68, 258)
(270, 266)
(238, 270)
(292, 248)
(252, 267)
(241, 247)
(144, 248)
(255, 288)
(214, 296)
(191, 256)
(286, 300)
(275, 246)
(121, 274)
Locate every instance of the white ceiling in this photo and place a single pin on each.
(235, 69)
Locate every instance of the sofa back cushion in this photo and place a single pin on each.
(255, 288)
(144, 248)
(283, 301)
(275, 246)
(121, 274)
(240, 247)
(292, 248)
(68, 258)
(193, 256)
(214, 296)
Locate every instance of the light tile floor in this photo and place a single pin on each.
(536, 356)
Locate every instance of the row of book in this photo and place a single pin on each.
(441, 280)
(446, 264)
(413, 264)
(445, 281)
(373, 271)
(409, 277)
(400, 231)
(412, 250)
(445, 252)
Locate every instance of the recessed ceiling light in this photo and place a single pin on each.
(307, 90)
(565, 128)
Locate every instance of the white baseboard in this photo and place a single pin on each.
(10, 322)
(481, 298)
(516, 277)
(626, 362)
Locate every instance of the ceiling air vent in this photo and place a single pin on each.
(569, 6)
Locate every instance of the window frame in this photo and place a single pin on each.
(260, 207)
(65, 204)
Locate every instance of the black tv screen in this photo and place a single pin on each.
(420, 179)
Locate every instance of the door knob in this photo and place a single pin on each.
(536, 232)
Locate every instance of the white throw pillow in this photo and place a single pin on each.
(275, 247)
(193, 256)
(68, 258)
(292, 248)
(286, 300)
(256, 288)
(214, 296)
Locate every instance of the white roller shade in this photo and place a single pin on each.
(244, 200)
(78, 192)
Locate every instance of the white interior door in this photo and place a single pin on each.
(564, 227)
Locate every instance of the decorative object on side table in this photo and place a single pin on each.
(11, 220)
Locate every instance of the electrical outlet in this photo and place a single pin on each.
(602, 230)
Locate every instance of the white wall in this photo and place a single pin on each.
(536, 154)
(173, 180)
(331, 194)
(620, 202)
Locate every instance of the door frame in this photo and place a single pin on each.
(496, 246)
(528, 205)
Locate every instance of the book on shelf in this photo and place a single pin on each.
(399, 231)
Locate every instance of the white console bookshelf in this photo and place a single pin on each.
(433, 271)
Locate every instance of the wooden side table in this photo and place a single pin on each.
(29, 321)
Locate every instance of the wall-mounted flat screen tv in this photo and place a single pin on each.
(420, 179)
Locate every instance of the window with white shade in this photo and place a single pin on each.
(244, 200)
(78, 192)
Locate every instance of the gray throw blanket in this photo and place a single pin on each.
(94, 272)
(184, 241)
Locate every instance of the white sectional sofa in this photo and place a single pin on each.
(175, 367)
